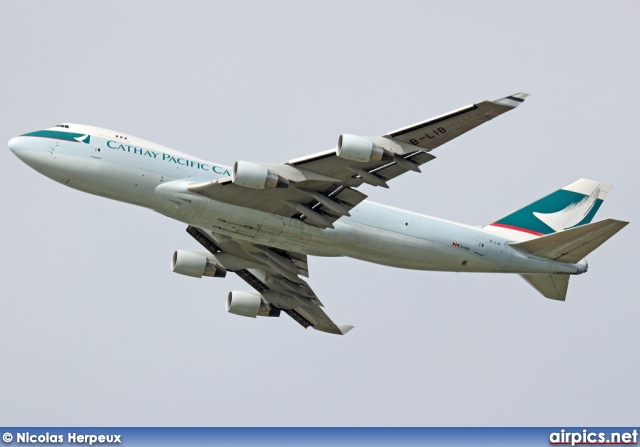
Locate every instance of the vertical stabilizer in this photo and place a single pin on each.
(574, 205)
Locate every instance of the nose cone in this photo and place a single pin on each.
(29, 155)
(14, 144)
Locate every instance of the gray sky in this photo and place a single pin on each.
(96, 330)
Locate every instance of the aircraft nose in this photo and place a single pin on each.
(14, 144)
(31, 157)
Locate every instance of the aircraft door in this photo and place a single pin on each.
(479, 248)
(95, 151)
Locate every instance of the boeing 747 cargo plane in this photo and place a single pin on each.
(261, 221)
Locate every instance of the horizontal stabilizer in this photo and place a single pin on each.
(571, 245)
(550, 286)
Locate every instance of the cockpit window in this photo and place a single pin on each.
(65, 126)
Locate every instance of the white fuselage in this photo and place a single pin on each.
(128, 169)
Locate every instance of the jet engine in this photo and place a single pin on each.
(194, 264)
(354, 148)
(253, 175)
(249, 303)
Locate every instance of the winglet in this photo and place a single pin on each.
(344, 328)
(331, 328)
(512, 100)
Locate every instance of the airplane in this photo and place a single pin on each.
(262, 220)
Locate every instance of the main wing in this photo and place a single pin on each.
(321, 188)
(274, 274)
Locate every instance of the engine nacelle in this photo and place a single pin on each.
(253, 175)
(194, 264)
(355, 148)
(249, 303)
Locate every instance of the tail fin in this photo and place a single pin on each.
(574, 205)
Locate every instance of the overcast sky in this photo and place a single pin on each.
(96, 330)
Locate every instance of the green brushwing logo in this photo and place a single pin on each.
(572, 215)
(84, 139)
(556, 212)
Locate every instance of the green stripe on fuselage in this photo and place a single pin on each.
(55, 134)
(554, 202)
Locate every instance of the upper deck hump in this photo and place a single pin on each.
(122, 138)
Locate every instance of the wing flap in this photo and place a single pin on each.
(393, 170)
